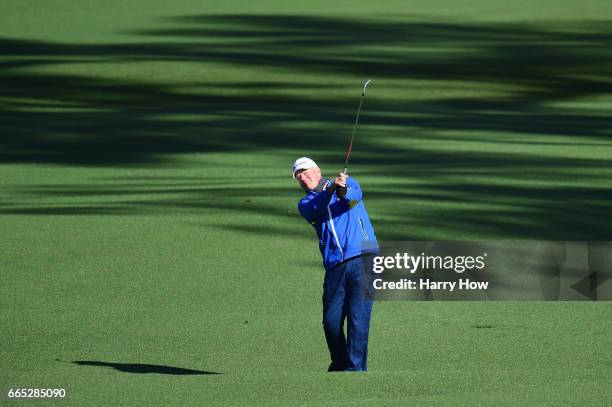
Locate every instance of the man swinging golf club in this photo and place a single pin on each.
(338, 214)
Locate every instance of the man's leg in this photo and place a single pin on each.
(334, 314)
(359, 310)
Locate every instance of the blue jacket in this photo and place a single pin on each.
(342, 224)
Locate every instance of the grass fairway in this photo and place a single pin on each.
(152, 251)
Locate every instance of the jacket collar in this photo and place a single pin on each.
(323, 184)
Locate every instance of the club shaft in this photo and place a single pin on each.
(348, 153)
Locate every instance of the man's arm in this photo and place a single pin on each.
(312, 207)
(348, 188)
(353, 190)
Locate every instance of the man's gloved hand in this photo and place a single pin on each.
(340, 183)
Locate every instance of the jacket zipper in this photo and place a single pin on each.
(333, 228)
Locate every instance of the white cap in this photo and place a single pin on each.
(302, 163)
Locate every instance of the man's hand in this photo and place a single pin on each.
(340, 185)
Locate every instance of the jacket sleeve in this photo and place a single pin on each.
(312, 207)
(353, 190)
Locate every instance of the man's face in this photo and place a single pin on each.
(309, 178)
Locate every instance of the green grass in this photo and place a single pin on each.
(147, 215)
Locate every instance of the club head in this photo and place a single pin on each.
(365, 85)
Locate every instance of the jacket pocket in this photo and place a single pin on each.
(365, 235)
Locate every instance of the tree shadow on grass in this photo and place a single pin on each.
(511, 183)
(77, 119)
(143, 368)
(399, 210)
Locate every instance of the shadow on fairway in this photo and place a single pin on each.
(534, 71)
(504, 137)
(143, 368)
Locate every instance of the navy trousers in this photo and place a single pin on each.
(345, 297)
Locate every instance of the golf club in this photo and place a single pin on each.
(342, 191)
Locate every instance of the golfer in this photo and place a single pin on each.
(336, 210)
